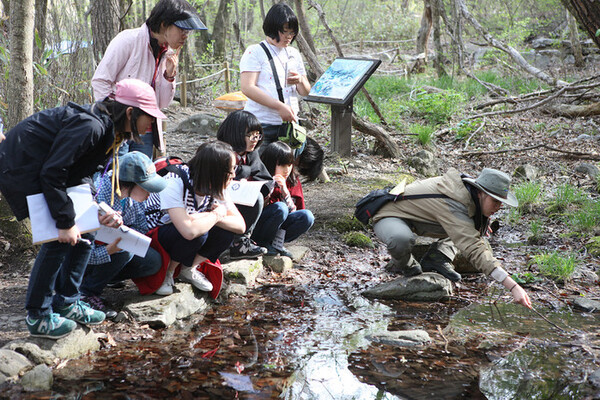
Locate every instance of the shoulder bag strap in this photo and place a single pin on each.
(275, 76)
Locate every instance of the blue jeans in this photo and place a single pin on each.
(145, 147)
(123, 265)
(56, 276)
(277, 216)
(271, 134)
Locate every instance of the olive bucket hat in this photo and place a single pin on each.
(496, 184)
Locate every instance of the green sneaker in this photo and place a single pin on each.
(50, 326)
(82, 312)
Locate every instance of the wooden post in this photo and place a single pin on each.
(183, 92)
(341, 128)
(227, 77)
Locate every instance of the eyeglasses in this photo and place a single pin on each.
(288, 33)
(254, 135)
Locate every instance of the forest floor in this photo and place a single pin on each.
(332, 261)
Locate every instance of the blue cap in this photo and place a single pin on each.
(192, 22)
(136, 167)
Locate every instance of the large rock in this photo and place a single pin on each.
(12, 363)
(161, 311)
(203, 125)
(425, 287)
(243, 272)
(39, 350)
(278, 264)
(39, 378)
(424, 163)
(586, 304)
(409, 338)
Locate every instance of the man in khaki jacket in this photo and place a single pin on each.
(459, 220)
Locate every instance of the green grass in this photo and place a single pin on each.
(555, 266)
(537, 229)
(564, 196)
(424, 133)
(585, 219)
(528, 194)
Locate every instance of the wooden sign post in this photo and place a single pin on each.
(337, 86)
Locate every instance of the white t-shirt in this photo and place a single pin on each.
(287, 59)
(173, 197)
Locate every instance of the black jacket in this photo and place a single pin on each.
(254, 169)
(50, 151)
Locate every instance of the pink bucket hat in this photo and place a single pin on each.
(135, 93)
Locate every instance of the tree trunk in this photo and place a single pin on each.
(20, 82)
(439, 52)
(425, 29)
(220, 29)
(304, 27)
(587, 13)
(575, 43)
(104, 16)
(41, 9)
(457, 28)
(6, 7)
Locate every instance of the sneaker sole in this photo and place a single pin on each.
(41, 335)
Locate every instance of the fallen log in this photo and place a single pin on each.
(572, 110)
(382, 136)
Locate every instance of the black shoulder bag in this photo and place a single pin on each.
(293, 134)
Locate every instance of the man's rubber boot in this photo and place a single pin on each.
(413, 269)
(437, 262)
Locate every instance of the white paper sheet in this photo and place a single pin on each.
(246, 192)
(43, 226)
(131, 240)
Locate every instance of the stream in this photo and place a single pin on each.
(309, 341)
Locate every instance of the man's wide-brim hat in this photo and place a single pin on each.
(496, 184)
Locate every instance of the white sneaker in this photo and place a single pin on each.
(167, 286)
(196, 278)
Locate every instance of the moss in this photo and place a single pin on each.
(593, 246)
(358, 239)
(347, 223)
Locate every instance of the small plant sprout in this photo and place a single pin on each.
(528, 194)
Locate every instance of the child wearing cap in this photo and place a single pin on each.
(455, 209)
(149, 53)
(108, 263)
(48, 152)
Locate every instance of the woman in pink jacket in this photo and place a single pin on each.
(148, 53)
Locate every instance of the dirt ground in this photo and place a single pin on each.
(354, 176)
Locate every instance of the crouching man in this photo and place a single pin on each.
(459, 218)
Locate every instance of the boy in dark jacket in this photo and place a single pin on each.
(49, 152)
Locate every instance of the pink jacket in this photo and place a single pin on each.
(129, 55)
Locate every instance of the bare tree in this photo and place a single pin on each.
(41, 9)
(587, 13)
(439, 52)
(425, 29)
(104, 16)
(574, 36)
(220, 29)
(304, 28)
(20, 84)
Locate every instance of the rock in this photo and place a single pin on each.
(162, 311)
(12, 363)
(594, 378)
(234, 289)
(425, 287)
(201, 124)
(410, 338)
(542, 43)
(40, 350)
(39, 378)
(526, 172)
(243, 272)
(588, 169)
(586, 304)
(279, 264)
(424, 163)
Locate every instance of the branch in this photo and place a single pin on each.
(540, 103)
(576, 154)
(514, 54)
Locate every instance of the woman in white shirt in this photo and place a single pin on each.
(280, 27)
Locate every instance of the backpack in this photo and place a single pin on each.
(368, 206)
(164, 165)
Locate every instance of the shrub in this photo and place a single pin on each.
(555, 266)
(436, 108)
